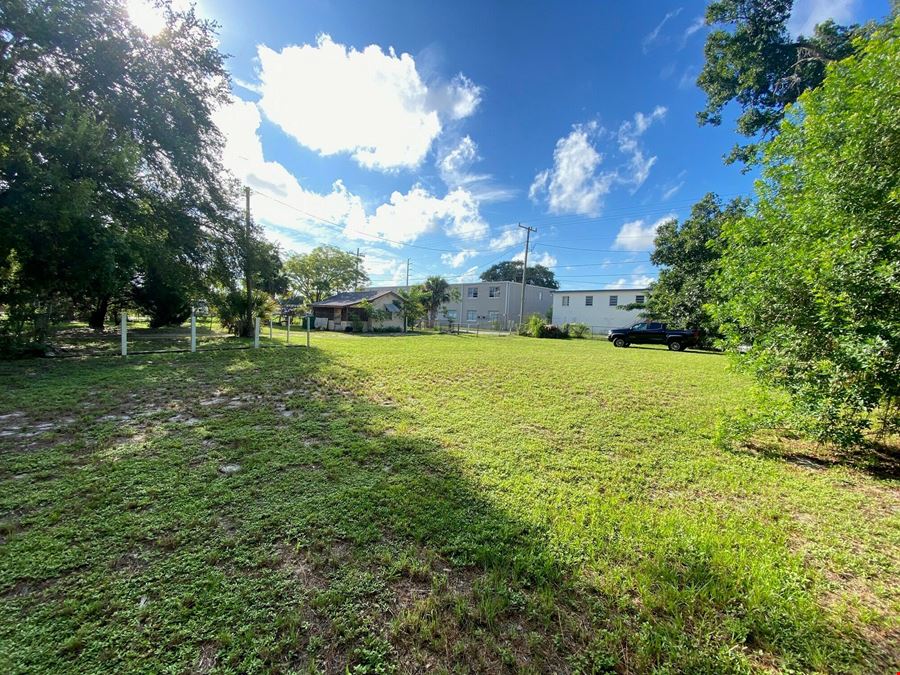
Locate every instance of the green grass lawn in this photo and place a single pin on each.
(443, 503)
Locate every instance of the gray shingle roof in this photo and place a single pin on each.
(350, 298)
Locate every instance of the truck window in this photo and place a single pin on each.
(655, 326)
(639, 326)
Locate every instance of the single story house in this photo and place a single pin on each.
(347, 311)
(600, 308)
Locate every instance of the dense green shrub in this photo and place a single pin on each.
(532, 327)
(811, 279)
(553, 331)
(578, 330)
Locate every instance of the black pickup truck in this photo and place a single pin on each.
(654, 333)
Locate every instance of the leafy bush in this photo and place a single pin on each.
(387, 329)
(578, 330)
(811, 279)
(532, 327)
(553, 331)
(232, 309)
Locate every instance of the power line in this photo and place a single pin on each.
(574, 219)
(364, 234)
(341, 228)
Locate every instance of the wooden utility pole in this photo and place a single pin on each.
(407, 290)
(248, 272)
(528, 231)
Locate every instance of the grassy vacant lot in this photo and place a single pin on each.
(427, 502)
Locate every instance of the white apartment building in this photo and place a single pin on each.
(599, 309)
(491, 304)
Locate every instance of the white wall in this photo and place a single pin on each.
(601, 316)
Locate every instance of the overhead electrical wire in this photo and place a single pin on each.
(504, 252)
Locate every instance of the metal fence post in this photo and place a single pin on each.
(124, 331)
(270, 329)
(288, 341)
(308, 321)
(193, 330)
(256, 333)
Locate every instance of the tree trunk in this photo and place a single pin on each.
(97, 317)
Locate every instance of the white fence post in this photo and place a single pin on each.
(193, 330)
(270, 329)
(288, 330)
(256, 333)
(124, 331)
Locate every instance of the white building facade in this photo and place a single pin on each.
(599, 309)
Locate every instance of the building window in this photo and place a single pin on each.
(589, 301)
(451, 314)
(639, 299)
(565, 301)
(472, 292)
(613, 300)
(494, 292)
(470, 315)
(494, 316)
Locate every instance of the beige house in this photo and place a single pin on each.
(348, 311)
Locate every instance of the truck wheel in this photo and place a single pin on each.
(676, 346)
(620, 342)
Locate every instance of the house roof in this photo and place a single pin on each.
(351, 298)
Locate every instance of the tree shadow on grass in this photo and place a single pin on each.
(878, 458)
(344, 538)
(689, 350)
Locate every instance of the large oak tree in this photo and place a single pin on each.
(109, 160)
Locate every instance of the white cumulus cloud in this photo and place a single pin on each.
(638, 235)
(574, 184)
(457, 259)
(508, 237)
(633, 281)
(408, 216)
(297, 208)
(806, 14)
(545, 259)
(289, 206)
(470, 274)
(371, 104)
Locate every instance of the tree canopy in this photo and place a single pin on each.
(435, 292)
(109, 160)
(811, 279)
(753, 60)
(688, 254)
(324, 271)
(511, 270)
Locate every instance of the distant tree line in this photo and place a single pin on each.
(511, 270)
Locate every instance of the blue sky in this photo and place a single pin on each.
(428, 130)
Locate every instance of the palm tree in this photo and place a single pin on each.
(437, 292)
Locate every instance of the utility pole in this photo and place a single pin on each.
(357, 267)
(248, 273)
(528, 231)
(407, 290)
